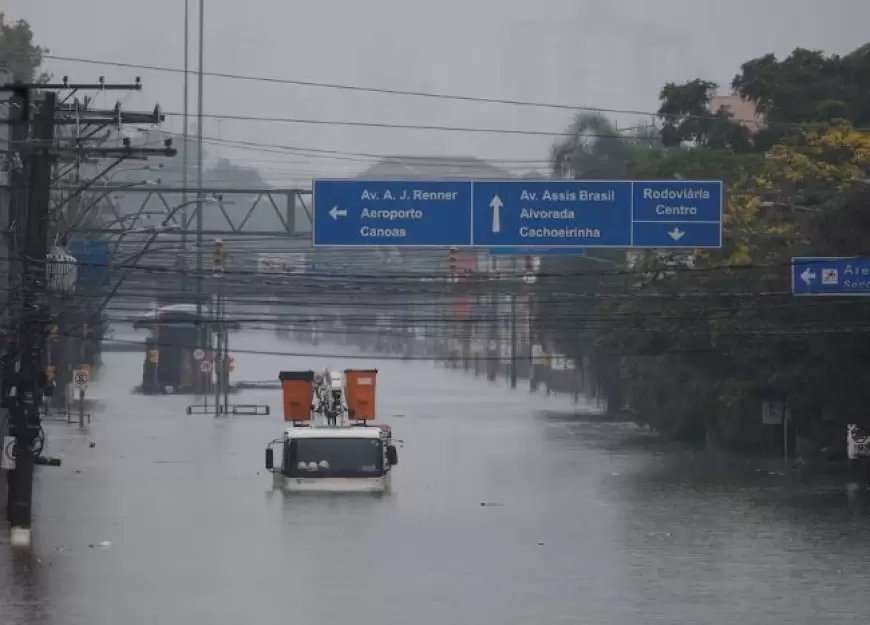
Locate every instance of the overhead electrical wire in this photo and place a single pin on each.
(392, 278)
(440, 274)
(692, 321)
(858, 330)
(411, 93)
(390, 125)
(327, 296)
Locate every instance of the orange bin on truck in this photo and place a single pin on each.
(359, 386)
(298, 391)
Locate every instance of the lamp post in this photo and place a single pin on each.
(82, 215)
(166, 225)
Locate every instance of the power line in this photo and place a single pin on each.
(395, 126)
(435, 276)
(347, 87)
(857, 330)
(364, 157)
(419, 94)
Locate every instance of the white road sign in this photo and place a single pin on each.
(7, 453)
(205, 366)
(80, 379)
(198, 354)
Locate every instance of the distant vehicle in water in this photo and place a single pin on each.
(170, 350)
(330, 444)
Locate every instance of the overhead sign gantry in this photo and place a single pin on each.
(527, 214)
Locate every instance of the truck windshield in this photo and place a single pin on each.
(334, 457)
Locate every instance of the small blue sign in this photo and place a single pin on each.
(673, 214)
(93, 261)
(831, 276)
(537, 251)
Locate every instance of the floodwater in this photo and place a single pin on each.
(170, 518)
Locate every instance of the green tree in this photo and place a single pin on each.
(686, 115)
(594, 148)
(696, 347)
(18, 53)
(806, 87)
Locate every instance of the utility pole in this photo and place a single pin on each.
(35, 151)
(17, 209)
(199, 226)
(220, 348)
(216, 360)
(28, 386)
(186, 145)
(513, 372)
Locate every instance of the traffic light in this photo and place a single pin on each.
(452, 260)
(219, 255)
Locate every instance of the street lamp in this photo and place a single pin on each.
(124, 218)
(169, 219)
(166, 225)
(156, 167)
(82, 215)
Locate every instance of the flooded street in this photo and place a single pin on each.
(584, 522)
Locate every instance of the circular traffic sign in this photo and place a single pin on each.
(198, 353)
(205, 367)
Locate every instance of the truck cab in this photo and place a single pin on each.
(329, 443)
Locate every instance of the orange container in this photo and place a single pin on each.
(298, 390)
(360, 386)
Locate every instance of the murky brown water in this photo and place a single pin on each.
(590, 527)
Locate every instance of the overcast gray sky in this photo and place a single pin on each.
(614, 54)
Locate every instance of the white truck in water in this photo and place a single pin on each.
(329, 443)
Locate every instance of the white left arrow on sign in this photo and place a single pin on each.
(496, 205)
(808, 276)
(337, 212)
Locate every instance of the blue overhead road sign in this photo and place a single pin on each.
(555, 213)
(819, 276)
(391, 212)
(519, 213)
(677, 214)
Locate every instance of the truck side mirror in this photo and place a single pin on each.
(392, 455)
(270, 459)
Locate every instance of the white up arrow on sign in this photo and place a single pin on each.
(676, 234)
(496, 204)
(808, 276)
(337, 212)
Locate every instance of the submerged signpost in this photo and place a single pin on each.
(527, 214)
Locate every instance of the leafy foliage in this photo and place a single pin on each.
(696, 344)
(18, 53)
